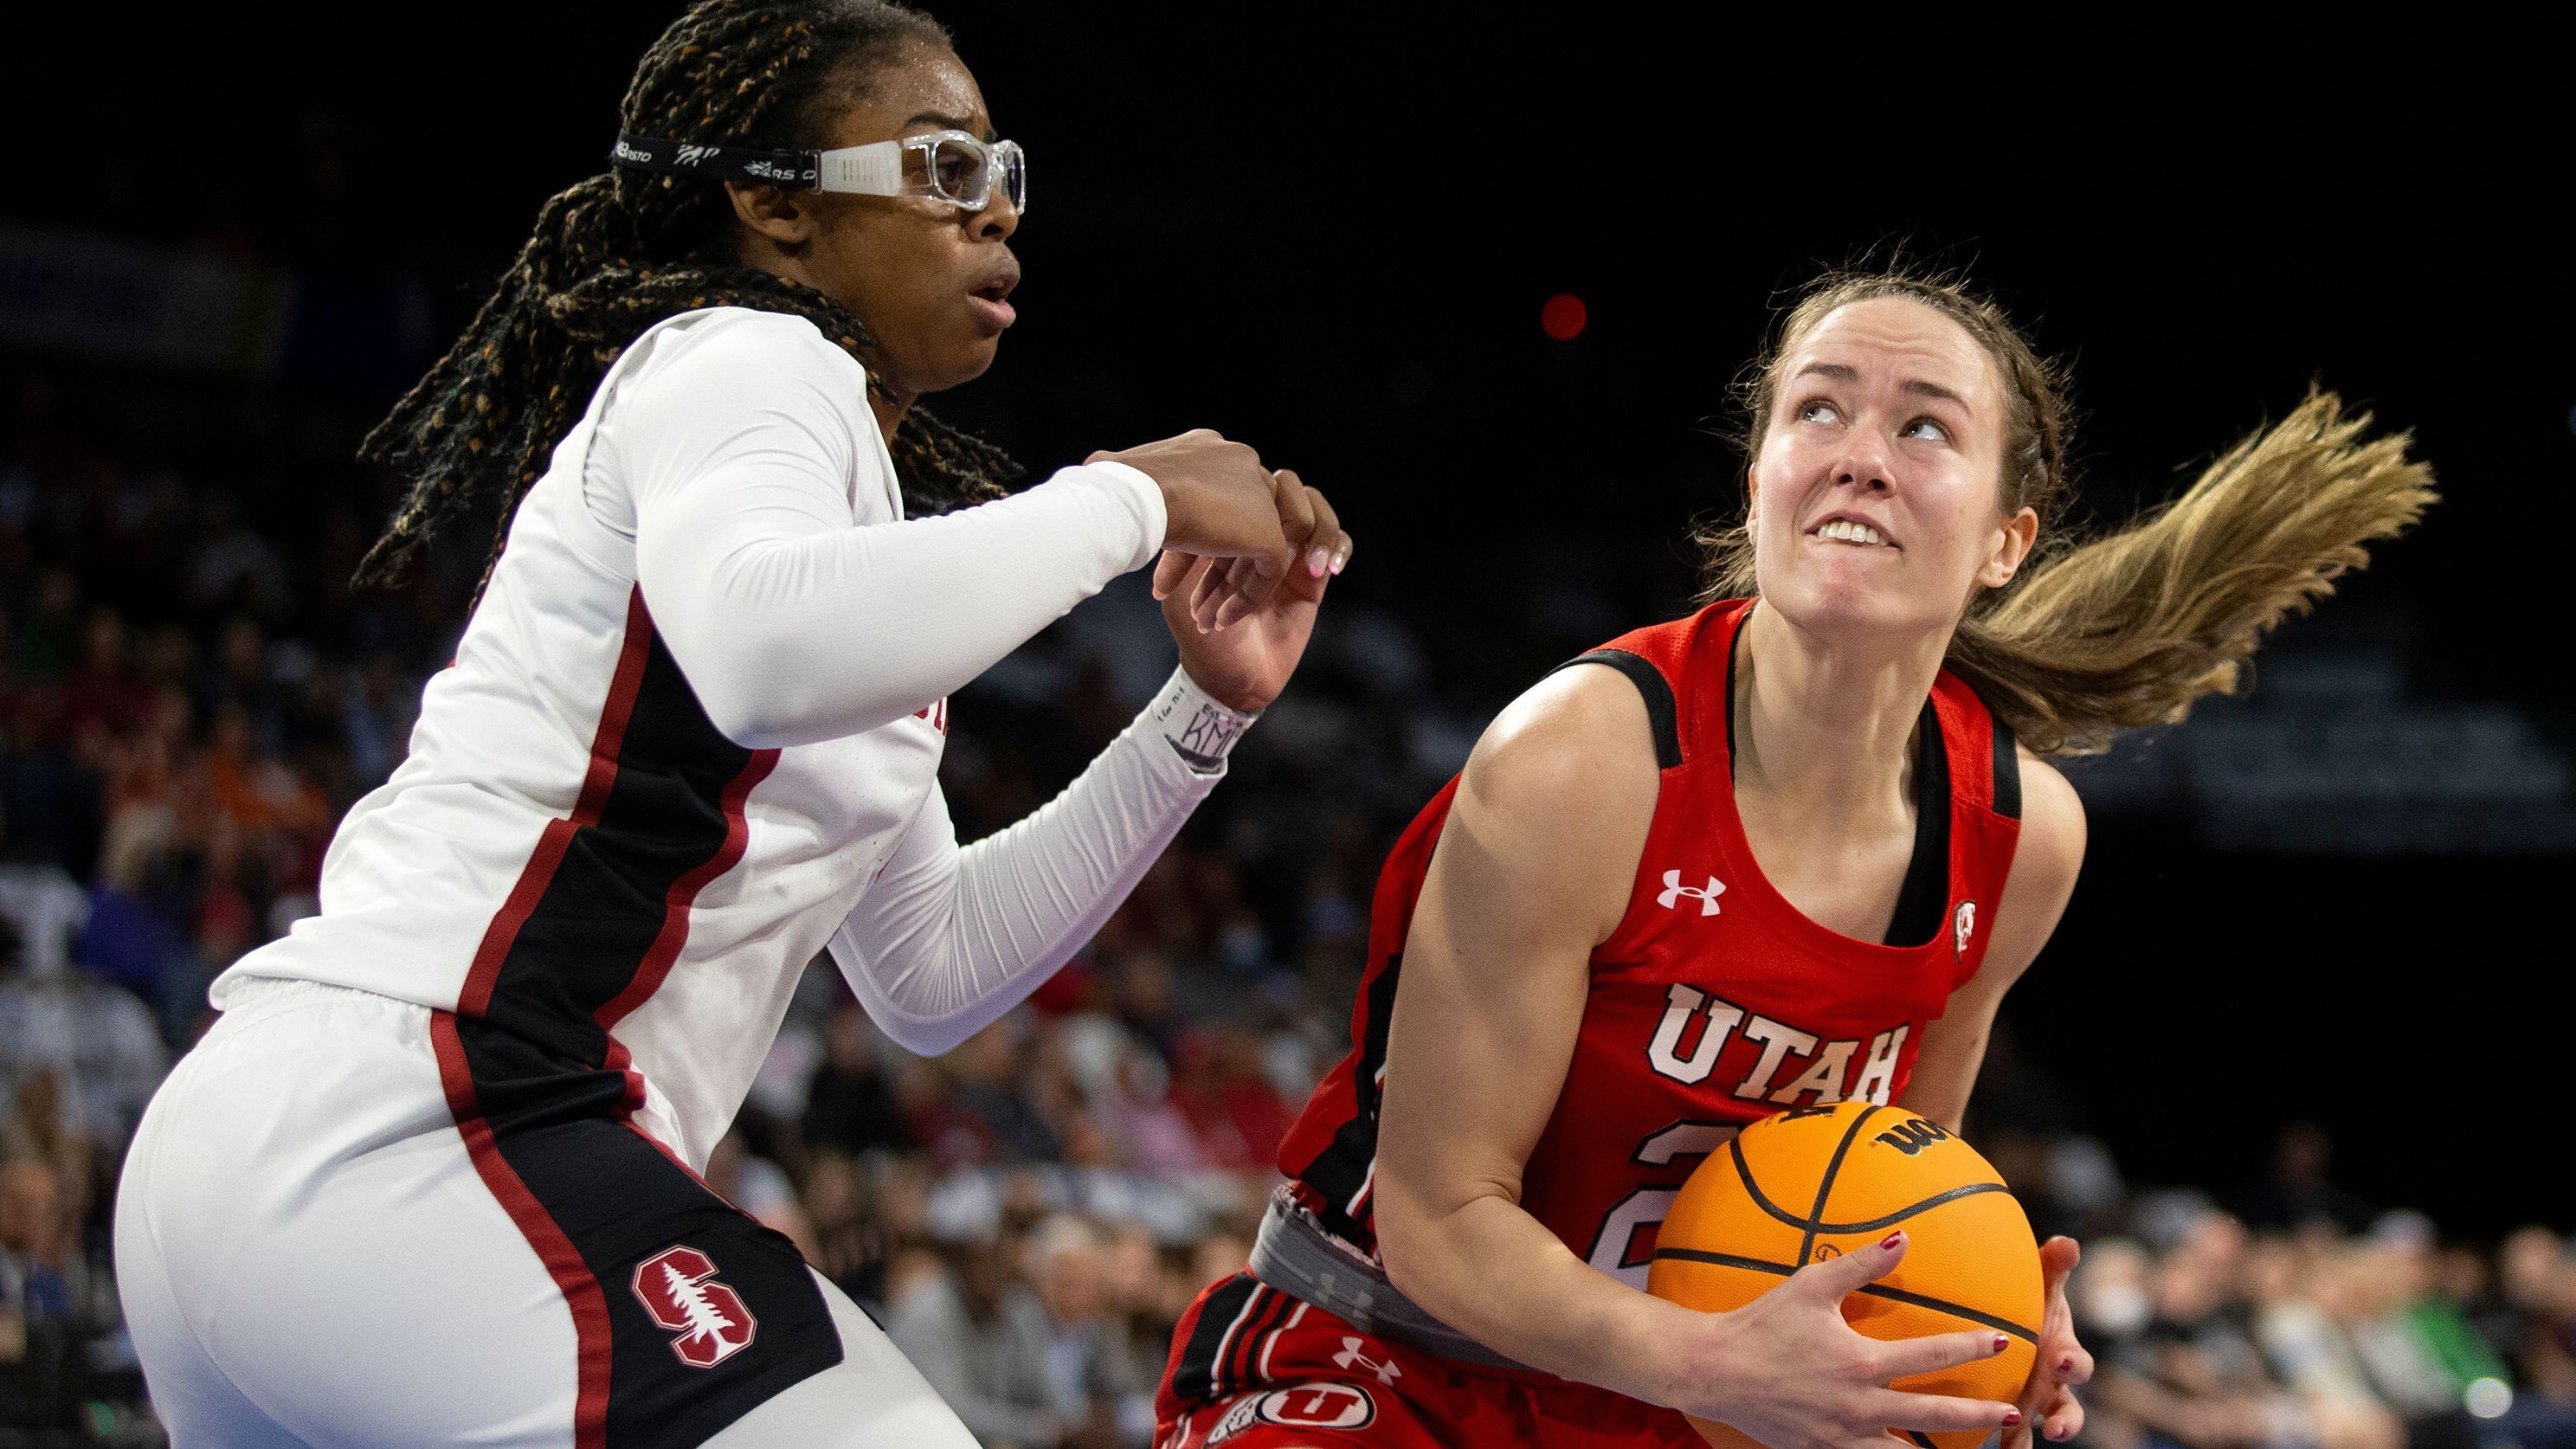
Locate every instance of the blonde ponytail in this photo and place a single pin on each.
(2130, 628)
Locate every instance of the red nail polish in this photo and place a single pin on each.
(2012, 1418)
(1891, 1240)
(2001, 1343)
(2066, 1365)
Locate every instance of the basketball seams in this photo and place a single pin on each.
(1970, 1189)
(1971, 1226)
(1869, 1290)
(1753, 1190)
(1825, 1188)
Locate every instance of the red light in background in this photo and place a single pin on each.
(1563, 317)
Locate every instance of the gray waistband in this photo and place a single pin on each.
(1296, 1255)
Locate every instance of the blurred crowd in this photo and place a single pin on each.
(190, 697)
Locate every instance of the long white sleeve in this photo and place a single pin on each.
(800, 608)
(947, 940)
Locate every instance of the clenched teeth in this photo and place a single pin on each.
(1845, 530)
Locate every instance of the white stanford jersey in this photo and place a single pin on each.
(612, 895)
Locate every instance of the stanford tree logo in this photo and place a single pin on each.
(677, 1287)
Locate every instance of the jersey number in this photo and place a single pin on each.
(1615, 1250)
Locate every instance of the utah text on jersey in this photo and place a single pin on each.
(1697, 1026)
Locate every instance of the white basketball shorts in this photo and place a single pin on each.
(350, 1220)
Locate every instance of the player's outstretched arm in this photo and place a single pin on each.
(1532, 871)
(946, 939)
(801, 615)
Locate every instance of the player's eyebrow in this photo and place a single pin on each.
(1838, 372)
(1921, 388)
(947, 122)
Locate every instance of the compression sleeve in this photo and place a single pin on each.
(946, 940)
(798, 607)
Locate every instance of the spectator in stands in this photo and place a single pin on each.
(42, 903)
(99, 1043)
(850, 1104)
(105, 691)
(756, 1185)
(2299, 1291)
(978, 1333)
(851, 1241)
(137, 935)
(2538, 1285)
(234, 568)
(993, 1090)
(2299, 1191)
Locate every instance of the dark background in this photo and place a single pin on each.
(1330, 232)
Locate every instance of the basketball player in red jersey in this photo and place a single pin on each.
(1791, 850)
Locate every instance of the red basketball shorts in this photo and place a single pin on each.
(1253, 1368)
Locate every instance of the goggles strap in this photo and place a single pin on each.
(793, 170)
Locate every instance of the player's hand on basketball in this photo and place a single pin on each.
(1794, 1375)
(1242, 652)
(1218, 502)
(2048, 1402)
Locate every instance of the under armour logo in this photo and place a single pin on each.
(1966, 923)
(1706, 895)
(675, 1288)
(1351, 1357)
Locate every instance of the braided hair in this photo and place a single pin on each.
(623, 250)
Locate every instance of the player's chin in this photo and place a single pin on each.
(962, 357)
(1829, 600)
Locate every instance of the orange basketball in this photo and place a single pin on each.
(1817, 1182)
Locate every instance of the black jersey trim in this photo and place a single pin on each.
(1923, 901)
(1825, 1186)
(1195, 1376)
(1341, 1172)
(1734, 643)
(2007, 782)
(662, 814)
(1661, 714)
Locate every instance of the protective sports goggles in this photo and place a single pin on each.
(949, 166)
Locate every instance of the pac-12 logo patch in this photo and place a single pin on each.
(1306, 1406)
(1964, 926)
(677, 1287)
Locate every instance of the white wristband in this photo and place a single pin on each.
(1199, 730)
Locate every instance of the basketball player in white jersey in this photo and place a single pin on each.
(432, 1178)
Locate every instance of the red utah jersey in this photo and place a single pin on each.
(1714, 1002)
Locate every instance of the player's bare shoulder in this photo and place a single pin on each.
(2053, 829)
(1580, 734)
(2046, 861)
(1566, 774)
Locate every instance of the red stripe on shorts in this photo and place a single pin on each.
(563, 1262)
